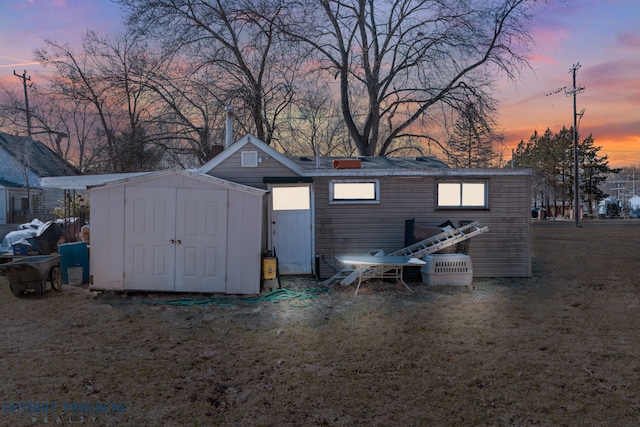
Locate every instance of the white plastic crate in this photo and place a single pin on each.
(447, 269)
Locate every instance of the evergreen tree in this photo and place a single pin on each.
(595, 171)
(550, 157)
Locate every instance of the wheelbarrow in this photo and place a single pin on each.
(32, 273)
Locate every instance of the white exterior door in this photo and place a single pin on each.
(201, 240)
(175, 239)
(291, 228)
(149, 227)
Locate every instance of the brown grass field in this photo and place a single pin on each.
(558, 349)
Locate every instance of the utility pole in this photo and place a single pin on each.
(25, 79)
(576, 177)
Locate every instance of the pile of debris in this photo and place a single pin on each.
(33, 238)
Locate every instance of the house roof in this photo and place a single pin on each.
(242, 143)
(369, 163)
(42, 160)
(307, 165)
(9, 184)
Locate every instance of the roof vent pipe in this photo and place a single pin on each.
(229, 133)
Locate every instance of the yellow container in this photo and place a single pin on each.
(269, 268)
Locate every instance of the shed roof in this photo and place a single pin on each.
(182, 172)
(82, 182)
(95, 181)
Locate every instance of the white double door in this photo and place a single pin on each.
(175, 239)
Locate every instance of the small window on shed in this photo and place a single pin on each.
(463, 195)
(351, 191)
(249, 159)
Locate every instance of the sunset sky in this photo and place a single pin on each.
(603, 36)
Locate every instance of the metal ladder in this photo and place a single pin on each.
(440, 241)
(349, 273)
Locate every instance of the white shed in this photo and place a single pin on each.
(634, 206)
(176, 231)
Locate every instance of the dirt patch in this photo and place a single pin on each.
(556, 349)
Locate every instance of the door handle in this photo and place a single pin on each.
(172, 241)
(179, 241)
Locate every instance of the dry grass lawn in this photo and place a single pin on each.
(558, 349)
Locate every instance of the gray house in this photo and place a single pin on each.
(23, 164)
(320, 208)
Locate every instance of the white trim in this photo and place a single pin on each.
(375, 200)
(195, 175)
(82, 182)
(461, 206)
(240, 144)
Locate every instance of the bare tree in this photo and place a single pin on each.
(238, 44)
(314, 124)
(12, 112)
(46, 116)
(189, 116)
(403, 59)
(471, 144)
(104, 76)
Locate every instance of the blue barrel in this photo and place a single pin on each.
(74, 255)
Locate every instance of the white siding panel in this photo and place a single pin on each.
(244, 243)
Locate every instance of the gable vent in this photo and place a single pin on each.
(249, 159)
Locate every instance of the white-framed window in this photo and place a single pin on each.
(249, 159)
(354, 191)
(463, 194)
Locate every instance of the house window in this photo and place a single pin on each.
(249, 159)
(463, 195)
(354, 191)
(290, 198)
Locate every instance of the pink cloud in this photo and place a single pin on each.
(543, 59)
(614, 81)
(629, 40)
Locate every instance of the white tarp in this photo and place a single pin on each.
(25, 231)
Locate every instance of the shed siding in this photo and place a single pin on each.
(106, 258)
(358, 228)
(244, 248)
(244, 228)
(231, 169)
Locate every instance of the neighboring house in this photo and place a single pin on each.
(23, 163)
(319, 208)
